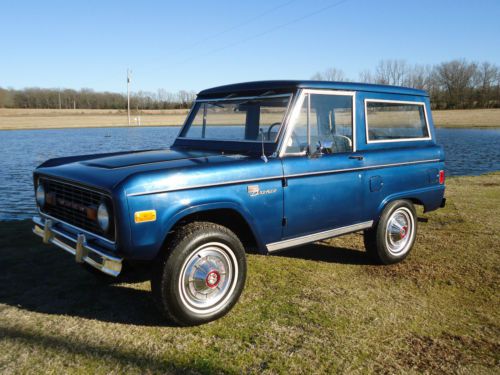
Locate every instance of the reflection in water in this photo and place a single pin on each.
(468, 152)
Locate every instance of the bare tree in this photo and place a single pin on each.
(391, 72)
(419, 77)
(331, 74)
(456, 78)
(366, 76)
(485, 80)
(5, 98)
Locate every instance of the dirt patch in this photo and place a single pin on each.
(446, 353)
(419, 273)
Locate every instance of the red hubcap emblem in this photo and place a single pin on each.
(403, 232)
(212, 279)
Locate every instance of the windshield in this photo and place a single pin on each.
(238, 119)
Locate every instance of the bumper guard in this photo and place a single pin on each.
(83, 252)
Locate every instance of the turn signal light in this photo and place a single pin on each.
(144, 216)
(441, 177)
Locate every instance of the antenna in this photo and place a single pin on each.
(263, 156)
(129, 73)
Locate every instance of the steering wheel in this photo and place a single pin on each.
(270, 128)
(349, 141)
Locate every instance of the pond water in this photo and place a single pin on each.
(468, 152)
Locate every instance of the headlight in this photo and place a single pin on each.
(103, 217)
(40, 196)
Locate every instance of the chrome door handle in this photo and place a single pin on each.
(357, 157)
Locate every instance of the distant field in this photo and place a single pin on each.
(467, 118)
(87, 118)
(318, 309)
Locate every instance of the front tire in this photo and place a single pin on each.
(394, 235)
(201, 274)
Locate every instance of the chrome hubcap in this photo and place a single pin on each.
(399, 231)
(208, 277)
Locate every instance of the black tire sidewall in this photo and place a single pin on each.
(195, 237)
(383, 254)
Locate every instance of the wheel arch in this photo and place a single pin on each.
(227, 214)
(410, 198)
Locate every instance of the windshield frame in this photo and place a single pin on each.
(192, 113)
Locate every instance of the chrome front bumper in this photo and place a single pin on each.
(83, 252)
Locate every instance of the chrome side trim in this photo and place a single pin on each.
(368, 141)
(275, 246)
(56, 220)
(331, 171)
(236, 182)
(109, 264)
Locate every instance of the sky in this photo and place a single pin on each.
(192, 45)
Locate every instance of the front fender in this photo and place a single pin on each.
(147, 238)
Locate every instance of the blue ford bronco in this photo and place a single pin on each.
(261, 166)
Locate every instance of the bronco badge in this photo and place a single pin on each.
(254, 190)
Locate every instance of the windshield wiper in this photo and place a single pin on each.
(216, 105)
(258, 96)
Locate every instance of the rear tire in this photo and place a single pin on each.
(200, 275)
(392, 239)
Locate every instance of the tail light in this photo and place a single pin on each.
(441, 177)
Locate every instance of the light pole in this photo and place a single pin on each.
(128, 95)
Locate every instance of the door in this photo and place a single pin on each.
(323, 173)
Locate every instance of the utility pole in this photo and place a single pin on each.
(128, 95)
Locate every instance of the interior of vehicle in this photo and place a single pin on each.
(253, 119)
(329, 118)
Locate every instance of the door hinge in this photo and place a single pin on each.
(284, 222)
(284, 182)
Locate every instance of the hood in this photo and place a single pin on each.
(105, 171)
(132, 159)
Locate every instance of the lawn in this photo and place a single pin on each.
(314, 309)
(19, 118)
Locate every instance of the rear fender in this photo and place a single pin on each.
(430, 197)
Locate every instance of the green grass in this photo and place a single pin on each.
(315, 309)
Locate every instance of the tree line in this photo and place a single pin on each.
(456, 84)
(453, 84)
(35, 97)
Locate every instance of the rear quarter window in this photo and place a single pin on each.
(388, 121)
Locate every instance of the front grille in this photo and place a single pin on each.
(75, 205)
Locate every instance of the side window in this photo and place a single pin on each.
(329, 121)
(392, 121)
(298, 141)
